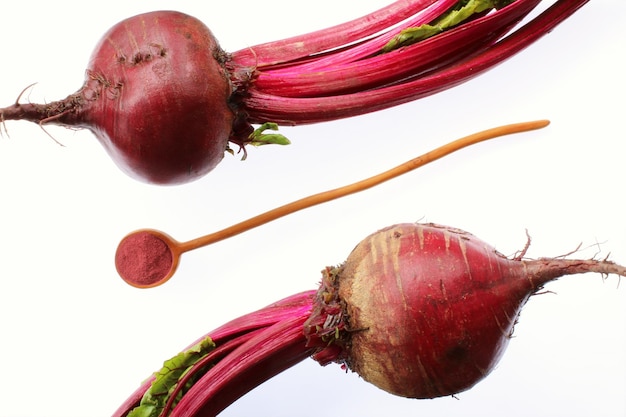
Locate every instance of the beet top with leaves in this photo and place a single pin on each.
(418, 310)
(166, 101)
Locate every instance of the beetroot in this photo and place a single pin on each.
(419, 310)
(140, 91)
(165, 100)
(436, 306)
(148, 106)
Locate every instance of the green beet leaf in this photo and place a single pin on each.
(461, 12)
(167, 378)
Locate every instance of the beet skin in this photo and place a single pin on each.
(156, 95)
(430, 309)
(158, 76)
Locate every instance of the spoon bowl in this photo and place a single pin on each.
(147, 258)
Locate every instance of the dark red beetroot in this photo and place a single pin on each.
(455, 301)
(161, 92)
(432, 308)
(156, 97)
(419, 310)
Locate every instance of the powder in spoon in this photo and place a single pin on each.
(143, 259)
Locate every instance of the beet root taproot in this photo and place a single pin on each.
(428, 310)
(156, 95)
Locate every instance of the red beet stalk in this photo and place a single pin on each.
(276, 53)
(166, 101)
(419, 310)
(232, 335)
(330, 76)
(439, 66)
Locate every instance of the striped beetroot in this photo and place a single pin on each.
(165, 100)
(419, 310)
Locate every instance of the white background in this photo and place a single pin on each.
(75, 340)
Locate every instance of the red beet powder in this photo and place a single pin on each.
(143, 259)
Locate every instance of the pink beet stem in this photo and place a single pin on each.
(290, 49)
(270, 352)
(249, 323)
(216, 355)
(364, 49)
(262, 106)
(395, 66)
